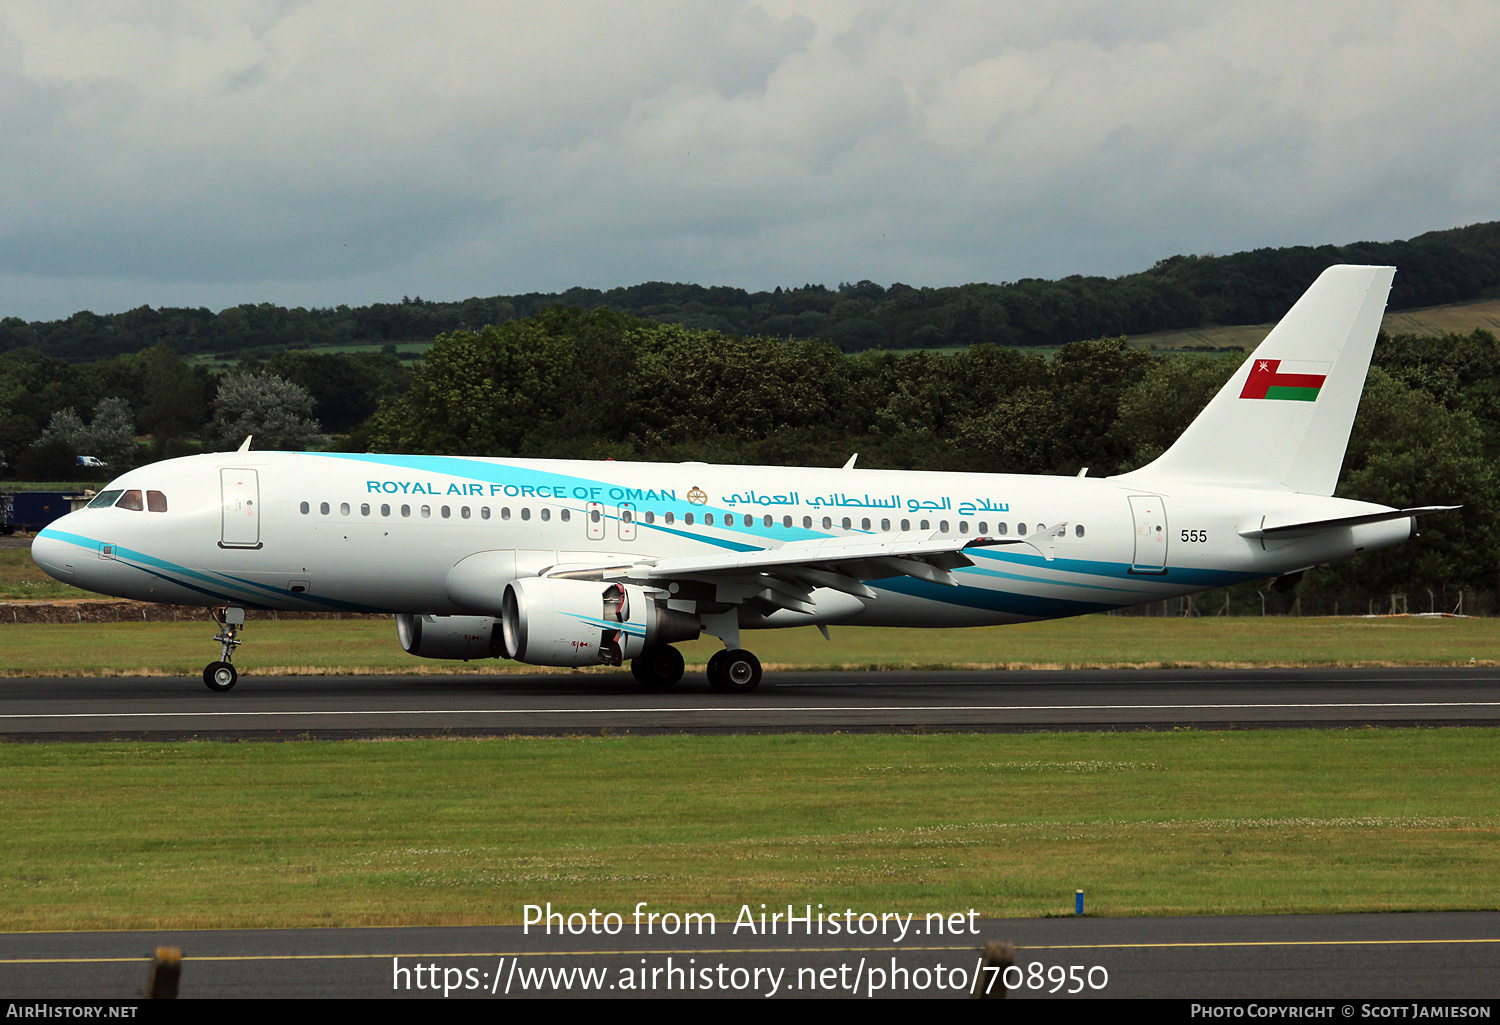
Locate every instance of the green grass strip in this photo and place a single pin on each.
(358, 646)
(432, 832)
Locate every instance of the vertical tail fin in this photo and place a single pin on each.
(1283, 419)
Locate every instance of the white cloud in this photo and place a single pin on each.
(330, 151)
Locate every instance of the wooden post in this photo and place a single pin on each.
(166, 971)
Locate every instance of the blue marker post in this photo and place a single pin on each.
(1078, 902)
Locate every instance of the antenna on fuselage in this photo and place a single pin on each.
(850, 464)
(245, 445)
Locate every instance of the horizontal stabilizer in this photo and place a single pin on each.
(1289, 530)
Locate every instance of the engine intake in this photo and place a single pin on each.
(465, 637)
(549, 621)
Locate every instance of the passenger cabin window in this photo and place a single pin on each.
(306, 508)
(670, 517)
(906, 524)
(131, 500)
(385, 510)
(105, 499)
(464, 512)
(1020, 529)
(650, 516)
(688, 519)
(484, 512)
(526, 514)
(943, 526)
(156, 501)
(323, 508)
(708, 519)
(406, 510)
(546, 514)
(364, 509)
(807, 523)
(447, 511)
(845, 524)
(1078, 530)
(344, 508)
(426, 511)
(565, 516)
(864, 524)
(1002, 529)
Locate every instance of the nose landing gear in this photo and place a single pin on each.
(221, 676)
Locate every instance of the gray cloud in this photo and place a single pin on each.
(332, 151)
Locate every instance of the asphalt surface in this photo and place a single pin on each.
(1344, 957)
(332, 706)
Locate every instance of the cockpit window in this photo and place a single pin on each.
(105, 499)
(156, 501)
(131, 500)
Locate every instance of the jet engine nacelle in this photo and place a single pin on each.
(465, 637)
(556, 622)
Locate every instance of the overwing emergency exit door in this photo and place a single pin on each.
(240, 491)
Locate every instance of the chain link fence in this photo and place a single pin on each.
(1265, 599)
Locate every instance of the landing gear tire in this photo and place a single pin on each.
(658, 669)
(220, 676)
(735, 671)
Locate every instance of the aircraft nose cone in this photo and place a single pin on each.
(55, 557)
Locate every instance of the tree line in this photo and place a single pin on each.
(571, 383)
(575, 384)
(1181, 292)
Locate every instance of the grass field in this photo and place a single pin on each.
(115, 836)
(358, 646)
(1455, 318)
(21, 580)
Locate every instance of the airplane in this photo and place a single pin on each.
(577, 563)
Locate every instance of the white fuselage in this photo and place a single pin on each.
(384, 533)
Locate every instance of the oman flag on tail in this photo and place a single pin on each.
(1285, 379)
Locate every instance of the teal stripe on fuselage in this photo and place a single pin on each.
(1046, 581)
(1028, 605)
(1175, 575)
(162, 570)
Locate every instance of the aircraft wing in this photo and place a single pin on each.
(785, 577)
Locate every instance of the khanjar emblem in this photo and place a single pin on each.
(697, 496)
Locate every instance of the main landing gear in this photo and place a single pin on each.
(221, 675)
(734, 671)
(731, 671)
(658, 669)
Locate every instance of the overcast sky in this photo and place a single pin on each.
(354, 151)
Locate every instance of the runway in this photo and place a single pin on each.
(1442, 956)
(333, 706)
